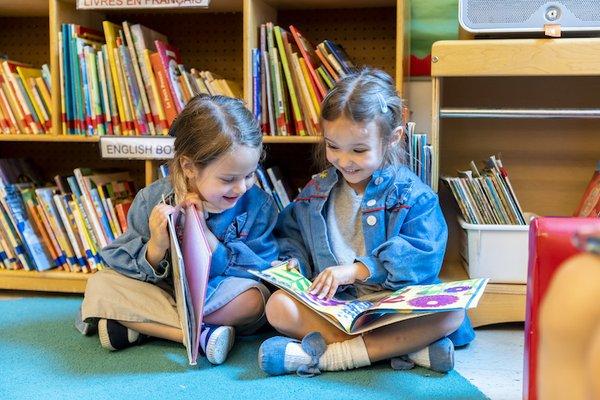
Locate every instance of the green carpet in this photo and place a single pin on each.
(42, 356)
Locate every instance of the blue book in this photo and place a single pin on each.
(33, 245)
(102, 213)
(256, 88)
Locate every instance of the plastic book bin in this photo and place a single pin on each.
(497, 252)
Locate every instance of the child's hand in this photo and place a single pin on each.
(159, 235)
(326, 284)
(195, 200)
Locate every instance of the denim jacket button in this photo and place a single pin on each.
(371, 202)
(371, 220)
(378, 180)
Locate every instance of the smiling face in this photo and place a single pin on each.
(355, 149)
(222, 182)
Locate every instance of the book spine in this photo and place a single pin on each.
(165, 92)
(34, 247)
(138, 78)
(297, 114)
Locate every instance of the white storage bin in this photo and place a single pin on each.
(498, 252)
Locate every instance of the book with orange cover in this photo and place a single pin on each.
(170, 59)
(162, 81)
(310, 58)
(589, 206)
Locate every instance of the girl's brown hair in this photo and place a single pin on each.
(364, 96)
(207, 128)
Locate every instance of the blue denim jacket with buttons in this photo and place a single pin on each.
(404, 231)
(244, 232)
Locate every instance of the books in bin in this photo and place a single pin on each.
(379, 309)
(190, 257)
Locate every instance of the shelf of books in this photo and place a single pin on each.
(76, 75)
(549, 143)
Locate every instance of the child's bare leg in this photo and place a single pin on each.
(243, 309)
(343, 351)
(569, 319)
(593, 364)
(294, 319)
(410, 335)
(157, 330)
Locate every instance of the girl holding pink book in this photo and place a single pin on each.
(218, 145)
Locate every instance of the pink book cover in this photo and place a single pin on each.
(169, 56)
(196, 259)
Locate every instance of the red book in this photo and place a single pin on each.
(170, 59)
(163, 86)
(121, 210)
(590, 202)
(310, 57)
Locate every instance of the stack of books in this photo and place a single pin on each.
(290, 78)
(25, 102)
(271, 181)
(127, 80)
(419, 153)
(62, 226)
(486, 196)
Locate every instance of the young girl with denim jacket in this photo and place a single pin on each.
(217, 148)
(365, 225)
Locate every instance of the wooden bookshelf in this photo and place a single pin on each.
(218, 39)
(46, 281)
(550, 160)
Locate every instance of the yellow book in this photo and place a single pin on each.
(14, 106)
(41, 85)
(311, 89)
(25, 73)
(297, 113)
(311, 119)
(123, 95)
(155, 92)
(111, 33)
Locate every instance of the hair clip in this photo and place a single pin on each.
(382, 103)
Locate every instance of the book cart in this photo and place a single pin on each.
(218, 39)
(533, 100)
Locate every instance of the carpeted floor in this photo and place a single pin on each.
(42, 356)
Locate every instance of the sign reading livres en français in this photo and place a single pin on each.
(137, 148)
(128, 4)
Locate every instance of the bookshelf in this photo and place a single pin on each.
(218, 39)
(549, 144)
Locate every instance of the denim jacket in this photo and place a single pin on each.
(244, 232)
(404, 231)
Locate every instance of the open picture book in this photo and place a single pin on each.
(378, 309)
(190, 261)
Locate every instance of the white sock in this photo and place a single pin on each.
(421, 357)
(339, 356)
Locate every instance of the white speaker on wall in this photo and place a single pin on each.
(521, 16)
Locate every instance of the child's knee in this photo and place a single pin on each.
(254, 302)
(453, 321)
(278, 309)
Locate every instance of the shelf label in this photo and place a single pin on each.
(137, 148)
(148, 4)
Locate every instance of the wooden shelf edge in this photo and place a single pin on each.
(46, 281)
(516, 57)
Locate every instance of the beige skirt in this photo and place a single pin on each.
(111, 295)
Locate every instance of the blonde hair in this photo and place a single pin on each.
(364, 96)
(207, 128)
